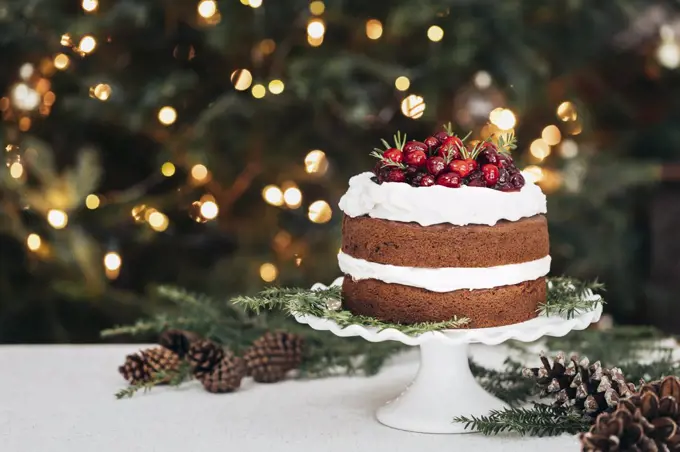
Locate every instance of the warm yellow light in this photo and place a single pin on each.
(273, 195)
(276, 86)
(539, 149)
(320, 212)
(267, 46)
(402, 83)
(482, 80)
(435, 33)
(317, 7)
(199, 172)
(268, 272)
(259, 91)
(138, 213)
(25, 97)
(255, 3)
(292, 197)
(316, 28)
(87, 44)
(61, 61)
(16, 170)
(374, 29)
(66, 40)
(167, 115)
(33, 242)
(413, 106)
(26, 71)
(314, 42)
(158, 221)
(24, 123)
(569, 149)
(49, 98)
(245, 2)
(168, 169)
(102, 91)
(241, 79)
(92, 201)
(551, 135)
(112, 261)
(209, 210)
(57, 218)
(207, 8)
(90, 5)
(566, 111)
(502, 118)
(316, 162)
(533, 173)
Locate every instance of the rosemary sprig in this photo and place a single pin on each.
(506, 143)
(568, 297)
(172, 378)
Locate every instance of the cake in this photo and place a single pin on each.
(442, 229)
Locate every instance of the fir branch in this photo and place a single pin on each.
(541, 420)
(567, 297)
(507, 384)
(171, 378)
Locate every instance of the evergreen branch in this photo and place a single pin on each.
(507, 143)
(508, 384)
(138, 328)
(568, 297)
(171, 378)
(541, 420)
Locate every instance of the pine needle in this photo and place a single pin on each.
(171, 378)
(568, 297)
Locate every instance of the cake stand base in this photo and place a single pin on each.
(443, 389)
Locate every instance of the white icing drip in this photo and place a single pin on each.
(445, 279)
(437, 204)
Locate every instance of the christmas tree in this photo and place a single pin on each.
(206, 143)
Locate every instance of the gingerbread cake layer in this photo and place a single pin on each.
(499, 306)
(445, 245)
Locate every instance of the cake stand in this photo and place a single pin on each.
(444, 386)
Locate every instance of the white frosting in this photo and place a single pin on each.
(438, 204)
(445, 279)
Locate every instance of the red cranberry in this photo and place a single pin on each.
(427, 180)
(435, 165)
(396, 175)
(450, 148)
(448, 180)
(489, 156)
(415, 146)
(394, 155)
(517, 180)
(490, 174)
(441, 136)
(471, 164)
(506, 187)
(416, 158)
(460, 167)
(477, 182)
(431, 142)
(503, 176)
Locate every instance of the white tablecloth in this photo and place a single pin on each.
(60, 398)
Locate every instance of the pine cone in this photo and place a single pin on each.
(618, 431)
(273, 355)
(590, 388)
(143, 366)
(204, 355)
(226, 376)
(178, 341)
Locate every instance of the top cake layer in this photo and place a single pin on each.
(438, 204)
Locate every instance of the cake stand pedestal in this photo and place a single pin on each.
(444, 386)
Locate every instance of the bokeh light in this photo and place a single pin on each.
(273, 195)
(320, 212)
(57, 218)
(374, 29)
(167, 115)
(268, 272)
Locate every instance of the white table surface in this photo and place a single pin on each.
(60, 398)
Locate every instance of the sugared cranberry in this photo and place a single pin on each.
(503, 176)
(489, 156)
(394, 155)
(396, 175)
(517, 180)
(490, 174)
(431, 142)
(505, 187)
(441, 136)
(449, 180)
(415, 146)
(435, 165)
(416, 158)
(477, 182)
(427, 180)
(450, 148)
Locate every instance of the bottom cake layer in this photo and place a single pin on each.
(396, 303)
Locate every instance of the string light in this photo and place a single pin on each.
(267, 46)
(57, 218)
(241, 79)
(316, 28)
(551, 135)
(255, 3)
(112, 261)
(533, 173)
(374, 29)
(24, 123)
(435, 33)
(402, 83)
(92, 201)
(502, 118)
(33, 242)
(209, 210)
(566, 111)
(49, 98)
(66, 40)
(298, 260)
(320, 212)
(268, 272)
(25, 98)
(26, 70)
(138, 213)
(413, 106)
(569, 149)
(102, 91)
(87, 44)
(168, 169)
(317, 7)
(316, 162)
(668, 52)
(167, 115)
(199, 172)
(314, 42)
(276, 86)
(158, 221)
(207, 8)
(90, 6)
(539, 149)
(482, 80)
(16, 170)
(258, 91)
(292, 197)
(61, 61)
(273, 195)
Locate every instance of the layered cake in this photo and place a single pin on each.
(441, 229)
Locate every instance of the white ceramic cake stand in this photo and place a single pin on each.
(444, 386)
